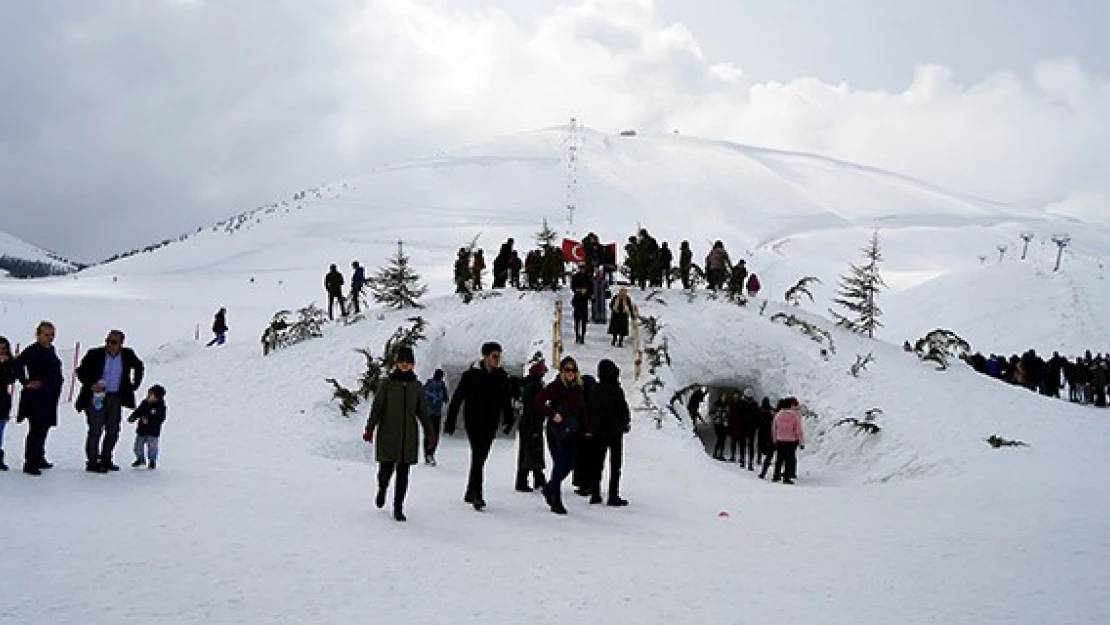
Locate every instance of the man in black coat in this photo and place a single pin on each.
(485, 390)
(611, 419)
(39, 370)
(117, 372)
(333, 284)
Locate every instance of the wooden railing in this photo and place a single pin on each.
(557, 335)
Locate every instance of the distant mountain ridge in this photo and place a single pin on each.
(21, 259)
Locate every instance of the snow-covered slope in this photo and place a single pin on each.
(15, 250)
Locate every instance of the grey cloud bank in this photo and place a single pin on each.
(131, 121)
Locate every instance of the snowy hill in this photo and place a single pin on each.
(18, 257)
(260, 510)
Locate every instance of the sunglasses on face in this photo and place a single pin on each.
(112, 342)
(570, 370)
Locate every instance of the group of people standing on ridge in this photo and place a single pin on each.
(581, 419)
(109, 377)
(333, 286)
(1087, 377)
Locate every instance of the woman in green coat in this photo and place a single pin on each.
(399, 408)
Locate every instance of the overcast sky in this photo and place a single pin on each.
(126, 121)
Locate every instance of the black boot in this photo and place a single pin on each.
(379, 501)
(616, 502)
(522, 482)
(538, 479)
(31, 469)
(596, 497)
(399, 514)
(3, 467)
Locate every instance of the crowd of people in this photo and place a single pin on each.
(761, 433)
(1086, 377)
(109, 377)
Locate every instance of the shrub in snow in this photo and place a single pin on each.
(939, 346)
(396, 285)
(377, 367)
(866, 425)
(860, 365)
(800, 289)
(651, 326)
(348, 400)
(997, 442)
(816, 333)
(858, 291)
(281, 333)
(546, 237)
(657, 297)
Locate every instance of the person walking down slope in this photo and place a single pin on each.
(611, 419)
(219, 328)
(563, 404)
(582, 287)
(7, 378)
(753, 285)
(109, 376)
(530, 456)
(787, 432)
(435, 395)
(358, 280)
(333, 284)
(399, 408)
(623, 314)
(486, 392)
(39, 371)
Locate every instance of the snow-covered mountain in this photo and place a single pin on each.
(261, 511)
(18, 257)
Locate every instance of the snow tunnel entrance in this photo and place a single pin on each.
(718, 420)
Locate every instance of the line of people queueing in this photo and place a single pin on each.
(776, 433)
(581, 419)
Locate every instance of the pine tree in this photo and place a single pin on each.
(546, 237)
(857, 293)
(396, 285)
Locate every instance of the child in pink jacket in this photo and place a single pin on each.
(786, 430)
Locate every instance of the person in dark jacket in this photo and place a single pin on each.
(435, 395)
(150, 415)
(501, 264)
(611, 420)
(743, 424)
(530, 455)
(582, 288)
(333, 284)
(117, 372)
(7, 378)
(39, 371)
(765, 435)
(685, 263)
(358, 280)
(663, 266)
(623, 314)
(398, 408)
(489, 402)
(219, 328)
(563, 404)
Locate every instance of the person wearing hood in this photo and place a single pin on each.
(399, 407)
(563, 404)
(530, 456)
(488, 396)
(765, 436)
(611, 420)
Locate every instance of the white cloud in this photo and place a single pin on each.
(213, 109)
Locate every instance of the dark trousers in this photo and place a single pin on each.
(437, 420)
(746, 442)
(34, 453)
(356, 295)
(614, 447)
(722, 435)
(586, 463)
(385, 473)
(103, 423)
(529, 458)
(563, 454)
(580, 323)
(479, 451)
(768, 454)
(786, 454)
(332, 299)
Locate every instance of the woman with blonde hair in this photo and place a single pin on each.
(624, 311)
(563, 404)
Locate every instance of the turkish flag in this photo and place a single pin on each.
(573, 252)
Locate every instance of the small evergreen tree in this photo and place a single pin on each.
(396, 285)
(858, 291)
(546, 237)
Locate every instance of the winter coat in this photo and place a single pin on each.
(753, 284)
(717, 260)
(41, 364)
(765, 436)
(358, 278)
(398, 409)
(787, 428)
(619, 321)
(219, 324)
(606, 404)
(333, 283)
(530, 431)
(91, 371)
(435, 395)
(743, 418)
(568, 401)
(150, 417)
(7, 378)
(685, 258)
(489, 402)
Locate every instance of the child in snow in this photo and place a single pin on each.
(753, 285)
(150, 415)
(435, 395)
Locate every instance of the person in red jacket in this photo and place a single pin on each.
(787, 433)
(753, 285)
(563, 404)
